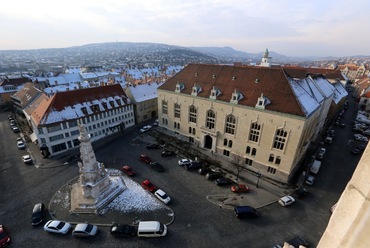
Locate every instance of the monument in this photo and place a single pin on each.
(96, 186)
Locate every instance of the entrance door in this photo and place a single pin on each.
(208, 142)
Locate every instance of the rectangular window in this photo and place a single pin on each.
(280, 139)
(254, 133)
(75, 132)
(248, 161)
(56, 137)
(271, 170)
(73, 123)
(226, 153)
(40, 130)
(59, 147)
(177, 110)
(164, 108)
(54, 128)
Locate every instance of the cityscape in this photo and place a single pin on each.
(120, 135)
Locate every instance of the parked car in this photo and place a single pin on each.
(194, 165)
(286, 200)
(145, 158)
(204, 170)
(16, 130)
(184, 161)
(156, 122)
(84, 230)
(167, 153)
(153, 146)
(213, 175)
(361, 147)
(298, 242)
(162, 196)
(146, 184)
(301, 192)
(240, 188)
(120, 230)
(242, 212)
(27, 159)
(356, 151)
(221, 181)
(21, 144)
(128, 170)
(4, 236)
(57, 226)
(156, 166)
(38, 214)
(145, 129)
(310, 180)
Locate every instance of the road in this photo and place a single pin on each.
(198, 222)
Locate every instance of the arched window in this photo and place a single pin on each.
(271, 158)
(192, 114)
(255, 131)
(230, 143)
(211, 118)
(278, 160)
(254, 151)
(280, 139)
(225, 142)
(230, 124)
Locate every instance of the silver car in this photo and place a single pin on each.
(84, 230)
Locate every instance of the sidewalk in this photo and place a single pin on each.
(263, 191)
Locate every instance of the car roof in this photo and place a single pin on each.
(54, 223)
(81, 226)
(160, 192)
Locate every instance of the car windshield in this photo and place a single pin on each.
(60, 225)
(161, 229)
(89, 228)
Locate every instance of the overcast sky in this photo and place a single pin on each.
(289, 27)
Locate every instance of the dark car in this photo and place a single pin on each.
(194, 165)
(167, 153)
(361, 147)
(204, 170)
(145, 158)
(153, 146)
(120, 230)
(297, 241)
(4, 236)
(356, 151)
(156, 166)
(213, 175)
(245, 212)
(38, 214)
(223, 181)
(301, 192)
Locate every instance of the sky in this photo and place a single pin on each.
(288, 27)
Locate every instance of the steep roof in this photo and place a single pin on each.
(69, 105)
(285, 94)
(143, 92)
(27, 94)
(301, 72)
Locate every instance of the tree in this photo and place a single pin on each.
(237, 162)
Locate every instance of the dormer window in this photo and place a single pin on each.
(196, 90)
(214, 93)
(84, 110)
(236, 97)
(179, 87)
(262, 102)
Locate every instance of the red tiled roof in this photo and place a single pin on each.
(250, 81)
(60, 100)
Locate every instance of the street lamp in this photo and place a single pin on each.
(258, 178)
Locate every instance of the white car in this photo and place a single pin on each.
(286, 200)
(145, 129)
(83, 230)
(162, 196)
(21, 144)
(185, 161)
(56, 226)
(310, 180)
(27, 159)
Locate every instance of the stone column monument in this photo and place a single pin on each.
(96, 187)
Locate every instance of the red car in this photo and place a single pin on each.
(4, 236)
(128, 170)
(240, 188)
(145, 158)
(146, 184)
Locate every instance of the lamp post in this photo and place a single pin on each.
(258, 179)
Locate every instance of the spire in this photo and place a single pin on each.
(266, 59)
(266, 55)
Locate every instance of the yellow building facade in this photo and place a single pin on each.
(260, 118)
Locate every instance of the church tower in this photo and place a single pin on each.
(266, 59)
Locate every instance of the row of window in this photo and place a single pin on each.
(88, 119)
(280, 137)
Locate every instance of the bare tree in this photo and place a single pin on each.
(237, 162)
